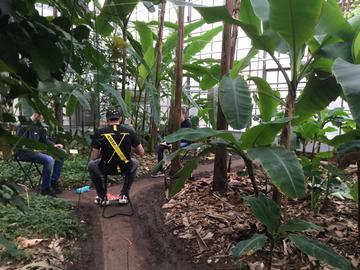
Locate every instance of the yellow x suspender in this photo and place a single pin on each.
(116, 147)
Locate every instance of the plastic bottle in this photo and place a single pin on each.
(82, 189)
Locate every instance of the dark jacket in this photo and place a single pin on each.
(33, 131)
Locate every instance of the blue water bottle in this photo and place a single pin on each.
(82, 189)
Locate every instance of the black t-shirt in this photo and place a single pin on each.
(186, 123)
(124, 137)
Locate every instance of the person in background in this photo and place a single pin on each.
(185, 123)
(51, 167)
(110, 154)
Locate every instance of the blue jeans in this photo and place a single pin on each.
(98, 178)
(161, 148)
(51, 167)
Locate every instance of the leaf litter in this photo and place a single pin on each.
(214, 224)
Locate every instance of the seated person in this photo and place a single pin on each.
(185, 123)
(110, 155)
(51, 167)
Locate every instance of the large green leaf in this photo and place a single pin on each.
(235, 101)
(154, 102)
(5, 67)
(316, 96)
(332, 22)
(121, 8)
(349, 152)
(211, 79)
(261, 9)
(337, 50)
(171, 41)
(344, 138)
(248, 247)
(115, 94)
(46, 57)
(263, 134)
(295, 20)
(266, 211)
(239, 65)
(283, 168)
(354, 191)
(71, 105)
(320, 251)
(221, 14)
(347, 75)
(183, 174)
(268, 99)
(196, 44)
(298, 225)
(247, 15)
(189, 134)
(356, 49)
(82, 99)
(146, 35)
(149, 58)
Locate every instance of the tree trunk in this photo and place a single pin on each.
(57, 104)
(220, 168)
(176, 110)
(159, 49)
(124, 59)
(138, 109)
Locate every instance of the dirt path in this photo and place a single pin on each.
(137, 242)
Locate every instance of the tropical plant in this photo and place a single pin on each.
(348, 150)
(269, 214)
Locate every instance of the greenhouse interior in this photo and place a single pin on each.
(179, 134)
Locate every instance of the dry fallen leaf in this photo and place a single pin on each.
(28, 243)
(55, 249)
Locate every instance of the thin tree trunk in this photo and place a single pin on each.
(124, 59)
(220, 172)
(57, 104)
(176, 110)
(138, 109)
(144, 116)
(159, 49)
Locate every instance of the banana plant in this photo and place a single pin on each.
(269, 213)
(255, 143)
(349, 150)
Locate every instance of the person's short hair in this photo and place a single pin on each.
(113, 114)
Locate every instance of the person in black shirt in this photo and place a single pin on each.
(51, 167)
(185, 123)
(110, 154)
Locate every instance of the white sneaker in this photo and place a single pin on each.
(158, 174)
(101, 201)
(123, 199)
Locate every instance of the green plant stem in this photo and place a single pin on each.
(250, 170)
(287, 79)
(302, 72)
